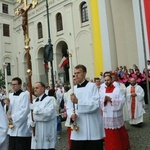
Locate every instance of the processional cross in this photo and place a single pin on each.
(24, 12)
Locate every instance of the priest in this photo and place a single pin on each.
(135, 100)
(112, 101)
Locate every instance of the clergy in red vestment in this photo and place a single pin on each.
(135, 100)
(112, 101)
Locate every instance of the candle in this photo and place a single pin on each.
(71, 72)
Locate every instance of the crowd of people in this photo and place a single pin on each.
(123, 75)
(94, 111)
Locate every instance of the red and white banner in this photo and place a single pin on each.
(46, 66)
(63, 62)
(147, 17)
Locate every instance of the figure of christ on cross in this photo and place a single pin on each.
(23, 12)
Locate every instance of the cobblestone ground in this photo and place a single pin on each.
(139, 137)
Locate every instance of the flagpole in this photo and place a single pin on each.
(50, 45)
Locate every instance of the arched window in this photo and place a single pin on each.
(84, 12)
(59, 22)
(40, 31)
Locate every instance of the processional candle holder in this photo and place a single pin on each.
(74, 126)
(10, 123)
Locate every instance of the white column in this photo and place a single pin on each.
(138, 28)
(105, 35)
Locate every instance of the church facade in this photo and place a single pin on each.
(124, 26)
(92, 30)
(69, 31)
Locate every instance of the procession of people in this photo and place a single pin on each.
(95, 112)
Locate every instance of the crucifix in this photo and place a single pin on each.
(24, 12)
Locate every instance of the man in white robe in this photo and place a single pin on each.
(45, 120)
(19, 108)
(116, 84)
(59, 94)
(112, 101)
(98, 83)
(3, 129)
(135, 100)
(87, 113)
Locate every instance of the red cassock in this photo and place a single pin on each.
(116, 139)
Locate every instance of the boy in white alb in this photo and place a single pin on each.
(88, 117)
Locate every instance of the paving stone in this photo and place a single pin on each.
(139, 137)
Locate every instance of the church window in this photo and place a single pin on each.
(59, 23)
(5, 8)
(84, 12)
(8, 69)
(40, 30)
(6, 30)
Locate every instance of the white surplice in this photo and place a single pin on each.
(139, 104)
(125, 107)
(45, 118)
(89, 118)
(66, 98)
(59, 95)
(112, 112)
(3, 129)
(19, 109)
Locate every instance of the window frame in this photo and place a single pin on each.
(6, 30)
(5, 8)
(8, 69)
(84, 12)
(40, 30)
(59, 22)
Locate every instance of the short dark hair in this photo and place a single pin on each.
(137, 70)
(105, 73)
(109, 76)
(96, 79)
(66, 88)
(17, 79)
(42, 84)
(81, 67)
(51, 92)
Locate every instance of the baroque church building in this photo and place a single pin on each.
(101, 34)
(70, 29)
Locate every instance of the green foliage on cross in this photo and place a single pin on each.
(2, 80)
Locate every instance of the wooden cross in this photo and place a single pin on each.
(24, 12)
